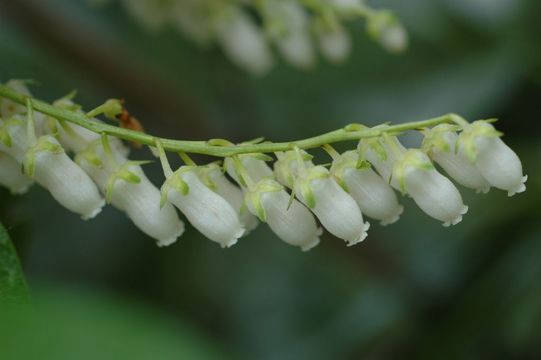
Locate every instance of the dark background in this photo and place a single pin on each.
(411, 290)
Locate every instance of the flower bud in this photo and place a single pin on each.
(255, 166)
(135, 195)
(11, 175)
(440, 143)
(231, 193)
(432, 192)
(242, 40)
(374, 196)
(207, 211)
(49, 165)
(287, 24)
(496, 161)
(336, 210)
(287, 218)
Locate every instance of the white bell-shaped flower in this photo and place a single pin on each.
(49, 165)
(131, 191)
(233, 194)
(255, 165)
(207, 211)
(11, 176)
(287, 218)
(496, 161)
(336, 210)
(435, 194)
(242, 40)
(334, 42)
(287, 24)
(440, 142)
(383, 154)
(374, 196)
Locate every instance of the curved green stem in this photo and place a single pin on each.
(206, 148)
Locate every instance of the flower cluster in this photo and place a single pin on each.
(246, 30)
(293, 196)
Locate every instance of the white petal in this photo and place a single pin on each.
(67, 182)
(458, 166)
(336, 210)
(243, 41)
(500, 165)
(295, 224)
(9, 108)
(19, 139)
(394, 38)
(235, 197)
(436, 195)
(141, 202)
(207, 211)
(11, 175)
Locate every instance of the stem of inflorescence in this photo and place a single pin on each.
(203, 147)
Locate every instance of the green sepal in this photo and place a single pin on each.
(89, 156)
(254, 196)
(204, 175)
(174, 182)
(123, 173)
(412, 158)
(43, 145)
(434, 138)
(479, 128)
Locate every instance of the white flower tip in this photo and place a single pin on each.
(519, 188)
(235, 239)
(361, 237)
(311, 244)
(483, 190)
(170, 240)
(457, 219)
(94, 212)
(394, 217)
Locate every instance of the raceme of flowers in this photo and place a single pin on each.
(83, 170)
(247, 30)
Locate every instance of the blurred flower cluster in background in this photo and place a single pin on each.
(414, 290)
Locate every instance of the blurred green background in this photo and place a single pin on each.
(101, 289)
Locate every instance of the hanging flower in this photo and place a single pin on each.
(287, 218)
(213, 176)
(11, 176)
(335, 208)
(207, 211)
(496, 161)
(47, 163)
(334, 41)
(286, 23)
(440, 142)
(432, 192)
(242, 40)
(129, 190)
(14, 137)
(374, 196)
